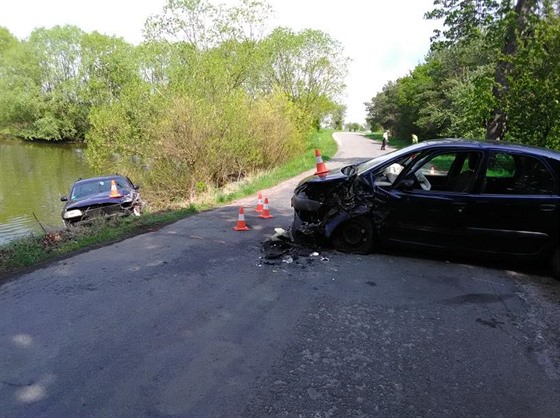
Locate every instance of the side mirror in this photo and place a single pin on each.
(136, 187)
(64, 199)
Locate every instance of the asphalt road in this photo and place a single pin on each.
(192, 321)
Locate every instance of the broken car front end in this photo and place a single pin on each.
(322, 204)
(101, 197)
(86, 211)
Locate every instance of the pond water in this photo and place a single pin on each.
(33, 177)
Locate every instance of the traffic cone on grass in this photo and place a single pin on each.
(114, 191)
(259, 207)
(266, 211)
(241, 226)
(321, 167)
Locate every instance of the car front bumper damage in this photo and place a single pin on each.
(316, 220)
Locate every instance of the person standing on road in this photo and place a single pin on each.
(414, 139)
(385, 139)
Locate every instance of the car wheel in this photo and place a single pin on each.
(555, 263)
(354, 236)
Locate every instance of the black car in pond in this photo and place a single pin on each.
(101, 197)
(467, 197)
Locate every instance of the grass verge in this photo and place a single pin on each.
(33, 250)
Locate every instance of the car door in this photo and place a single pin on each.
(422, 207)
(518, 210)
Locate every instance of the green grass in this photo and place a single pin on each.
(34, 249)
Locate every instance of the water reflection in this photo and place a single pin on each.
(33, 176)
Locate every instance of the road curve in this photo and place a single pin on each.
(191, 321)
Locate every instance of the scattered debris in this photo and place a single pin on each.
(281, 248)
(288, 260)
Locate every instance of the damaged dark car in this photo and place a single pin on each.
(101, 197)
(486, 199)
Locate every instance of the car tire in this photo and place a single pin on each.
(555, 263)
(354, 236)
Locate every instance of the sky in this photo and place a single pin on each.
(384, 39)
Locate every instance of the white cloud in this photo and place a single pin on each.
(384, 39)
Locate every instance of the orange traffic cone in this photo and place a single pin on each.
(114, 192)
(266, 212)
(259, 207)
(241, 226)
(321, 167)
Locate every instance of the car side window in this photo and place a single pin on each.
(517, 174)
(452, 171)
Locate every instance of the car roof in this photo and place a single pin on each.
(489, 144)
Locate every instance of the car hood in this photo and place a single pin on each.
(98, 199)
(335, 175)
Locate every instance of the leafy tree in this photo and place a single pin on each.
(20, 91)
(7, 40)
(533, 101)
(309, 67)
(495, 63)
(198, 116)
(497, 22)
(107, 66)
(454, 90)
(354, 127)
(206, 25)
(383, 109)
(337, 117)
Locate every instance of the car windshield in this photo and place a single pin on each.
(93, 187)
(406, 156)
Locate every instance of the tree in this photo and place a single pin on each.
(7, 40)
(58, 113)
(532, 102)
(337, 117)
(107, 65)
(308, 66)
(497, 23)
(20, 91)
(354, 127)
(383, 109)
(199, 115)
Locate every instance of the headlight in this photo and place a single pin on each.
(74, 213)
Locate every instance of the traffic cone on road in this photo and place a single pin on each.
(241, 226)
(266, 211)
(259, 207)
(114, 191)
(321, 167)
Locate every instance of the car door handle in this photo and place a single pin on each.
(548, 207)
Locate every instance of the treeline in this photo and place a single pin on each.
(493, 72)
(207, 98)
